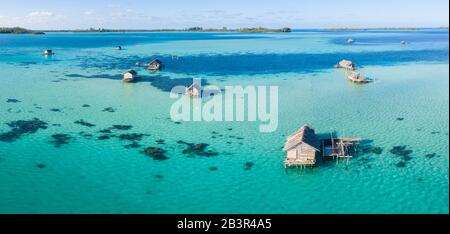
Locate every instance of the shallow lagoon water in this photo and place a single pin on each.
(406, 105)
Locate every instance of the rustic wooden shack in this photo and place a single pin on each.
(357, 77)
(154, 65)
(346, 64)
(130, 76)
(301, 148)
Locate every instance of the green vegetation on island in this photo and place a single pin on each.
(191, 29)
(18, 30)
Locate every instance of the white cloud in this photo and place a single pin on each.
(41, 14)
(88, 12)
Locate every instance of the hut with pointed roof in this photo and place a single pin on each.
(357, 77)
(301, 148)
(346, 64)
(130, 76)
(154, 65)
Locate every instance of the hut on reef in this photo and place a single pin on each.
(350, 41)
(346, 64)
(301, 148)
(118, 47)
(48, 52)
(194, 90)
(154, 65)
(357, 77)
(130, 76)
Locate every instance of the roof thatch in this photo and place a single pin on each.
(305, 135)
(155, 61)
(132, 72)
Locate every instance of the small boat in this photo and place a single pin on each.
(357, 77)
(154, 65)
(48, 52)
(346, 64)
(118, 47)
(130, 76)
(350, 41)
(403, 42)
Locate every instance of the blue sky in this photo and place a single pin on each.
(145, 14)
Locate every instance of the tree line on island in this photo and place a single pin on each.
(19, 30)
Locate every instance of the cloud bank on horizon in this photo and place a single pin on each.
(140, 14)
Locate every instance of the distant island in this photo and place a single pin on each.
(18, 30)
(364, 29)
(192, 29)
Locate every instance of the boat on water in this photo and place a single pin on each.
(357, 77)
(130, 76)
(48, 52)
(118, 47)
(154, 65)
(350, 41)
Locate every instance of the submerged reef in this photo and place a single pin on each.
(84, 123)
(121, 127)
(60, 139)
(22, 127)
(403, 153)
(109, 109)
(197, 149)
(156, 153)
(248, 166)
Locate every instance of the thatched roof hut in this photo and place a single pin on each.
(301, 147)
(154, 65)
(346, 64)
(130, 76)
(357, 77)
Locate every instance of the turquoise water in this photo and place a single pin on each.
(406, 105)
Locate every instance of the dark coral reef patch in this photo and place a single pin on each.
(61, 139)
(197, 149)
(22, 127)
(156, 153)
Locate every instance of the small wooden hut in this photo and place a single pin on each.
(130, 76)
(357, 77)
(154, 65)
(194, 90)
(350, 41)
(301, 148)
(48, 52)
(346, 64)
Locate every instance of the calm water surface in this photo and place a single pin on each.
(59, 151)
